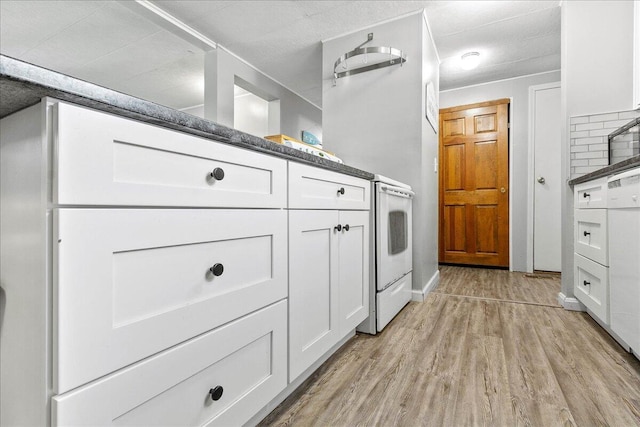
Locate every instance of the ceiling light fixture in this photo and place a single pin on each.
(470, 60)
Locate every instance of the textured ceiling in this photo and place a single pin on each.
(109, 43)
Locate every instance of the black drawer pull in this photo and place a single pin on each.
(217, 269)
(585, 195)
(586, 233)
(346, 227)
(216, 392)
(217, 174)
(585, 283)
(341, 190)
(338, 227)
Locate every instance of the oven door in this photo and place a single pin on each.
(393, 233)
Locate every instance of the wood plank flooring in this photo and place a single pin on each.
(487, 347)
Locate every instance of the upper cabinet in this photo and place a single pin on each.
(636, 55)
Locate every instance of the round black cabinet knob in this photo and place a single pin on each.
(341, 190)
(585, 195)
(338, 227)
(346, 227)
(216, 392)
(586, 233)
(217, 269)
(217, 174)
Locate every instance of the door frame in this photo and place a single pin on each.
(531, 172)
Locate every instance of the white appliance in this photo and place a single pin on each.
(392, 251)
(623, 204)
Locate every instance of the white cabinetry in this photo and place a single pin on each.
(591, 259)
(328, 261)
(123, 304)
(244, 362)
(109, 160)
(149, 270)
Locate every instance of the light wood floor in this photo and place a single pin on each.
(488, 347)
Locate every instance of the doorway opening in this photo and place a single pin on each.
(255, 111)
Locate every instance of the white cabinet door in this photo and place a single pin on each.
(313, 294)
(353, 269)
(243, 362)
(132, 282)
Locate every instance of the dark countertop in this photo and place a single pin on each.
(23, 85)
(608, 170)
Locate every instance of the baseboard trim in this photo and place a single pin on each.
(420, 295)
(570, 303)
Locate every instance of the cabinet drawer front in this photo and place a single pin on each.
(314, 188)
(591, 286)
(108, 160)
(247, 358)
(591, 234)
(133, 282)
(591, 194)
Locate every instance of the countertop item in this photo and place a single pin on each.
(23, 84)
(608, 170)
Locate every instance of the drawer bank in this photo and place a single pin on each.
(154, 277)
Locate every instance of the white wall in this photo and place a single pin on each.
(222, 72)
(518, 90)
(197, 110)
(251, 114)
(597, 67)
(376, 121)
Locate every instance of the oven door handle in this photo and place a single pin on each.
(397, 191)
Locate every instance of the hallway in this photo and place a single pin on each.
(487, 347)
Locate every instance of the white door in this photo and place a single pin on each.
(545, 116)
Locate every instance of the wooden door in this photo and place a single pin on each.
(474, 184)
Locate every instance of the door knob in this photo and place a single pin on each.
(503, 190)
(541, 179)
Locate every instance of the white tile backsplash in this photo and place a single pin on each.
(588, 138)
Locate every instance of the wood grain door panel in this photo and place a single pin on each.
(474, 177)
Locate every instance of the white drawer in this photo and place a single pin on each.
(132, 282)
(591, 286)
(108, 160)
(247, 358)
(314, 188)
(591, 194)
(591, 234)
